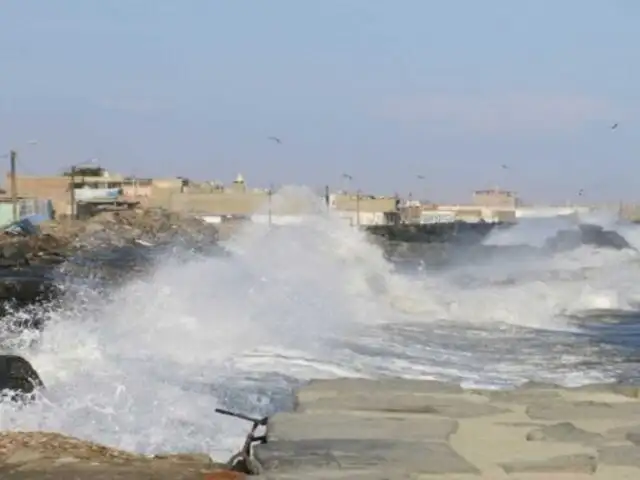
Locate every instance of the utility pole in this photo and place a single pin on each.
(72, 192)
(14, 187)
(358, 208)
(326, 196)
(270, 195)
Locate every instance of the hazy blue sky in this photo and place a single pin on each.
(383, 90)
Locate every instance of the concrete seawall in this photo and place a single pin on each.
(401, 429)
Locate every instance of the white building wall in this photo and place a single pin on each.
(549, 212)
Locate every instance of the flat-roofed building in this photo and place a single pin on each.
(496, 198)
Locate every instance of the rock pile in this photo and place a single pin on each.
(55, 240)
(25, 250)
(152, 225)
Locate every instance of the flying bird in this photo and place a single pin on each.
(505, 167)
(275, 139)
(580, 192)
(347, 176)
(614, 126)
(420, 177)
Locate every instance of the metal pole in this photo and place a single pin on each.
(14, 187)
(72, 192)
(358, 208)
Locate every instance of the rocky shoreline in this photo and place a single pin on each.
(54, 241)
(30, 254)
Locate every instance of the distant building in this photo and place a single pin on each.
(467, 214)
(137, 188)
(361, 209)
(34, 209)
(217, 202)
(496, 198)
(90, 183)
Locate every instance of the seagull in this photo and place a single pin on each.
(614, 126)
(580, 192)
(505, 167)
(420, 177)
(275, 139)
(347, 176)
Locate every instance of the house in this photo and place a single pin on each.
(496, 198)
(36, 210)
(81, 183)
(361, 209)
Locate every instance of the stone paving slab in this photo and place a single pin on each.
(404, 429)
(345, 455)
(341, 425)
(409, 396)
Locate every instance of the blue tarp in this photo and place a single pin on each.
(23, 227)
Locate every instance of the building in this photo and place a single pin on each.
(54, 188)
(33, 209)
(211, 200)
(496, 198)
(359, 209)
(467, 214)
(92, 183)
(139, 189)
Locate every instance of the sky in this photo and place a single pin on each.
(407, 96)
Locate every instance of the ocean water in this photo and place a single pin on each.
(141, 364)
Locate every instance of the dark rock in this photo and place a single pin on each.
(14, 252)
(455, 232)
(587, 234)
(19, 251)
(25, 289)
(18, 376)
